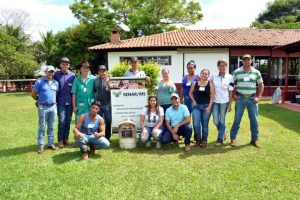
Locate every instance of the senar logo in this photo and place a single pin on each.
(117, 94)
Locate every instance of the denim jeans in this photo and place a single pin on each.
(92, 141)
(185, 131)
(219, 111)
(46, 116)
(240, 105)
(64, 113)
(188, 103)
(156, 136)
(200, 121)
(106, 114)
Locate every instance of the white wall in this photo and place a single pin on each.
(204, 58)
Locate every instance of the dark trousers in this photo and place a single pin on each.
(185, 131)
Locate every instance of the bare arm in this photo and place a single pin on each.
(74, 102)
(260, 92)
(160, 122)
(34, 95)
(230, 100)
(181, 94)
(212, 97)
(142, 122)
(191, 93)
(101, 129)
(77, 133)
(171, 131)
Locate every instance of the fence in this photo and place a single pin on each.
(15, 85)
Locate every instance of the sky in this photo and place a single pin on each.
(55, 15)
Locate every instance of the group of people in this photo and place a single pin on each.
(166, 117)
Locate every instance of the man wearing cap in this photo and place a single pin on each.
(44, 91)
(83, 91)
(65, 79)
(102, 94)
(177, 123)
(246, 78)
(134, 71)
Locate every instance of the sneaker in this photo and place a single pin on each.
(203, 145)
(158, 145)
(218, 144)
(67, 142)
(187, 147)
(54, 148)
(60, 144)
(233, 143)
(85, 156)
(148, 144)
(255, 143)
(41, 150)
(197, 144)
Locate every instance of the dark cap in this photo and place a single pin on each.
(246, 56)
(102, 67)
(64, 59)
(134, 59)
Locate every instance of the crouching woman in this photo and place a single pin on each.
(151, 120)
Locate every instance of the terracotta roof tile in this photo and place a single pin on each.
(208, 38)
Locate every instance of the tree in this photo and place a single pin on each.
(142, 17)
(15, 18)
(47, 46)
(283, 14)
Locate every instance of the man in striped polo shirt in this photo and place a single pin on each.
(246, 78)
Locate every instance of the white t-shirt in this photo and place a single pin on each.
(153, 119)
(222, 87)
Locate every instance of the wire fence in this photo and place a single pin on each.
(16, 85)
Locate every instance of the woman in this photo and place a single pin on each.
(202, 94)
(187, 82)
(223, 84)
(164, 89)
(83, 91)
(151, 120)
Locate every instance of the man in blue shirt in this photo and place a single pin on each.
(177, 123)
(44, 91)
(65, 79)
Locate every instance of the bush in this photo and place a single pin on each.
(151, 70)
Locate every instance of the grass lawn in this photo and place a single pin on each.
(244, 172)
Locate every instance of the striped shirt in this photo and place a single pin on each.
(246, 82)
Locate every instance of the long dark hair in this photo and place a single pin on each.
(149, 106)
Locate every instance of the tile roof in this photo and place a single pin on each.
(208, 38)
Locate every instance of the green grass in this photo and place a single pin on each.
(244, 172)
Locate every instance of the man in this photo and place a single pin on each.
(102, 94)
(89, 130)
(44, 91)
(83, 91)
(177, 123)
(246, 79)
(134, 71)
(65, 79)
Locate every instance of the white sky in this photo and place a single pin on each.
(55, 15)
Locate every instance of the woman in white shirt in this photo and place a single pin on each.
(223, 83)
(151, 120)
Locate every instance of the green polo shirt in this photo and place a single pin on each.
(84, 92)
(246, 82)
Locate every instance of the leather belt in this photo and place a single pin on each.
(246, 96)
(46, 104)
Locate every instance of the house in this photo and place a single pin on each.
(176, 48)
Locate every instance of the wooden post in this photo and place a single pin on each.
(286, 77)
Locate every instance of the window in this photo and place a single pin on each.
(161, 60)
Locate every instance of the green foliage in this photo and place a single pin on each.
(142, 17)
(280, 14)
(151, 69)
(16, 56)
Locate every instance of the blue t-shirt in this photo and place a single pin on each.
(46, 90)
(89, 127)
(177, 116)
(65, 82)
(186, 84)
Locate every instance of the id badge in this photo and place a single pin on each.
(84, 89)
(90, 125)
(246, 78)
(201, 88)
(81, 104)
(188, 83)
(53, 87)
(70, 84)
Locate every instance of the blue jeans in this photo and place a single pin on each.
(219, 111)
(64, 113)
(46, 116)
(147, 137)
(185, 131)
(188, 103)
(240, 105)
(106, 114)
(200, 121)
(94, 143)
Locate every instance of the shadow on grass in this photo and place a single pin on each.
(286, 118)
(63, 158)
(169, 149)
(18, 150)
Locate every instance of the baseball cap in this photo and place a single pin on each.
(174, 95)
(246, 56)
(64, 59)
(102, 67)
(49, 68)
